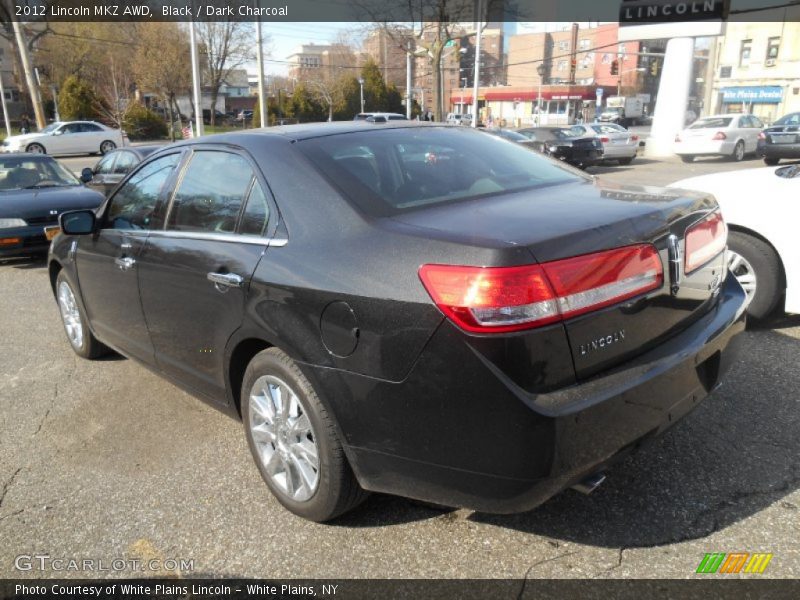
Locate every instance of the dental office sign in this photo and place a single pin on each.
(771, 94)
(659, 19)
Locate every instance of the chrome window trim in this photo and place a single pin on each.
(234, 238)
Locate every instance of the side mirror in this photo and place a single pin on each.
(77, 222)
(86, 175)
(57, 132)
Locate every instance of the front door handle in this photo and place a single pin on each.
(226, 279)
(124, 262)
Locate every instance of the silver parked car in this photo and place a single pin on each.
(72, 137)
(619, 144)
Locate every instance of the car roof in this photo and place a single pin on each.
(304, 131)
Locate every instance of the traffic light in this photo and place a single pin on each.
(615, 67)
(654, 68)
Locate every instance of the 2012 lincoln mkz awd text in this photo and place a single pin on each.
(417, 310)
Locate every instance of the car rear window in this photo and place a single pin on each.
(712, 122)
(388, 171)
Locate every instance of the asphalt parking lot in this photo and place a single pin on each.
(104, 460)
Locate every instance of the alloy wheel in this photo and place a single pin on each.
(743, 272)
(738, 152)
(70, 314)
(284, 439)
(107, 147)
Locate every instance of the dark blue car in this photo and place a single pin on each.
(34, 190)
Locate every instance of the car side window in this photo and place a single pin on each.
(89, 128)
(125, 162)
(757, 122)
(211, 193)
(256, 213)
(71, 128)
(106, 164)
(133, 205)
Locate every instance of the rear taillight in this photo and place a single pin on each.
(503, 299)
(720, 135)
(704, 240)
(634, 138)
(605, 140)
(762, 136)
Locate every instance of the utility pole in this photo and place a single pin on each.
(408, 80)
(196, 83)
(477, 82)
(30, 80)
(3, 97)
(262, 101)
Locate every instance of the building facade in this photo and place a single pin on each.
(757, 69)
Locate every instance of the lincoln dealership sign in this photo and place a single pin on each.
(664, 11)
(664, 19)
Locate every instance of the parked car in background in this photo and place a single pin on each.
(426, 315)
(780, 140)
(379, 117)
(619, 144)
(732, 135)
(561, 143)
(114, 166)
(763, 245)
(510, 135)
(71, 137)
(459, 119)
(245, 115)
(34, 191)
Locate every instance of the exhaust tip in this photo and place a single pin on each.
(590, 483)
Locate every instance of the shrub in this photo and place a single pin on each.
(140, 123)
(77, 100)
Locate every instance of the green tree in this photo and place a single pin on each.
(77, 100)
(305, 106)
(374, 87)
(349, 104)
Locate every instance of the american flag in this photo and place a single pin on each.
(188, 131)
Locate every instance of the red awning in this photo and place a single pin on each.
(503, 94)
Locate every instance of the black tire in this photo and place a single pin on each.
(107, 146)
(626, 161)
(337, 490)
(738, 152)
(687, 158)
(771, 162)
(35, 149)
(767, 268)
(90, 347)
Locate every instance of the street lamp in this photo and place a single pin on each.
(361, 84)
(540, 70)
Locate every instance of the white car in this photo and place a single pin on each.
(733, 135)
(459, 119)
(72, 137)
(760, 207)
(618, 143)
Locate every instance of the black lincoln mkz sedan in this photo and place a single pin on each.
(412, 309)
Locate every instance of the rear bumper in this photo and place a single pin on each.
(780, 150)
(472, 438)
(626, 151)
(703, 147)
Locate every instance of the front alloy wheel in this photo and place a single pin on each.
(743, 272)
(73, 317)
(70, 315)
(107, 147)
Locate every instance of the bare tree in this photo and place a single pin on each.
(162, 62)
(225, 46)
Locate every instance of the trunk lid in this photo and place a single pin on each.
(575, 219)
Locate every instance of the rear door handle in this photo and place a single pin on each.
(226, 279)
(125, 262)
